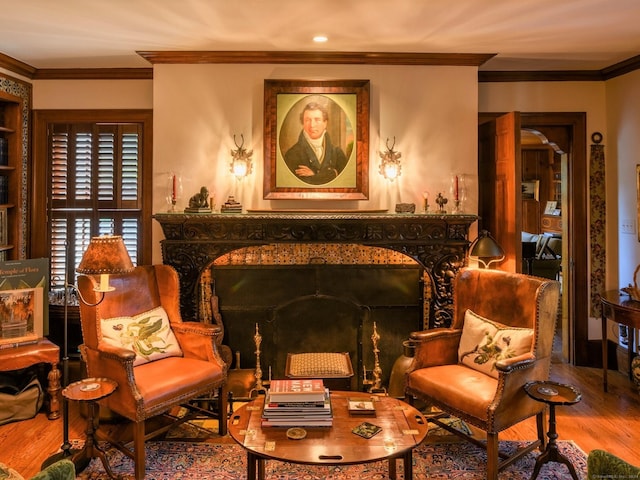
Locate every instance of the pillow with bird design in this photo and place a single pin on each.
(484, 342)
(147, 334)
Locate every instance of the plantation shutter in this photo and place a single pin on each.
(95, 189)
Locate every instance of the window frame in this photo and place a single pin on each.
(39, 237)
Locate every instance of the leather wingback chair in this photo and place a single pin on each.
(153, 388)
(494, 402)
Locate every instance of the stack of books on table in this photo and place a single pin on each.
(297, 403)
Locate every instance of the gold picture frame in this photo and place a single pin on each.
(340, 169)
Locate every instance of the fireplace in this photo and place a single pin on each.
(318, 281)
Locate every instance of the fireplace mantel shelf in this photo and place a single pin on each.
(439, 242)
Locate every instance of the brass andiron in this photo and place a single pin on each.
(377, 370)
(259, 387)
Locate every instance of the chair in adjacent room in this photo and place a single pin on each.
(136, 337)
(500, 338)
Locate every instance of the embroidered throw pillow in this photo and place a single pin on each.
(484, 342)
(148, 334)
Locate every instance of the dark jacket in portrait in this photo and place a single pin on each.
(302, 154)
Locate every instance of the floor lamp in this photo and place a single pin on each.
(106, 255)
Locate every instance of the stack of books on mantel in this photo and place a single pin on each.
(297, 403)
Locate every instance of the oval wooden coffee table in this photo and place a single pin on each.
(403, 428)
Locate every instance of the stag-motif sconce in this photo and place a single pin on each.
(390, 167)
(240, 159)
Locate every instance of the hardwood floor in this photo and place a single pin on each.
(609, 421)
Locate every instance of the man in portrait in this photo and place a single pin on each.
(314, 159)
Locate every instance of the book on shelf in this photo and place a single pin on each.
(361, 406)
(303, 390)
(4, 151)
(4, 189)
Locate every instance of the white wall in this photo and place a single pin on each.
(432, 112)
(623, 106)
(92, 94)
(623, 112)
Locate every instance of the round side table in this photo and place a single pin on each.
(553, 393)
(91, 390)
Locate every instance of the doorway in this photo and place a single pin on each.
(568, 132)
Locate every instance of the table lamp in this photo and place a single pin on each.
(486, 250)
(106, 255)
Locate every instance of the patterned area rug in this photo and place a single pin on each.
(175, 460)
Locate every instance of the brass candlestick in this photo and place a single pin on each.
(377, 370)
(259, 387)
(425, 205)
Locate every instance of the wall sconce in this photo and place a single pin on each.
(240, 160)
(390, 167)
(486, 250)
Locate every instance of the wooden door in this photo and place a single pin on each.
(500, 194)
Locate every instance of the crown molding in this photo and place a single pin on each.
(93, 74)
(351, 58)
(620, 68)
(16, 66)
(354, 58)
(615, 70)
(540, 76)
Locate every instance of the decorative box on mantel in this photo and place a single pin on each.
(437, 242)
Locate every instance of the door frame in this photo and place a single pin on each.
(581, 351)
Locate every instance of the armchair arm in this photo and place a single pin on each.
(118, 353)
(435, 347)
(197, 328)
(117, 364)
(199, 340)
(526, 360)
(512, 403)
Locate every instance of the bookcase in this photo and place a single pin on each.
(11, 166)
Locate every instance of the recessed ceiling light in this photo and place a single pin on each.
(320, 38)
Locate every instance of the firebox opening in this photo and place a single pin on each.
(312, 298)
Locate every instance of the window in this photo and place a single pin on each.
(95, 186)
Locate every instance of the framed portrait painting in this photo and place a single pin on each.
(316, 139)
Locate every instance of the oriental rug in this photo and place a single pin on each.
(180, 460)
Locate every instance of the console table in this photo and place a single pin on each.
(620, 308)
(438, 242)
(43, 351)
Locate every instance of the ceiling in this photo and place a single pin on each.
(524, 34)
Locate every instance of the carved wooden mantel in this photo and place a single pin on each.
(438, 242)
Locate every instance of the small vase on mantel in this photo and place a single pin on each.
(400, 367)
